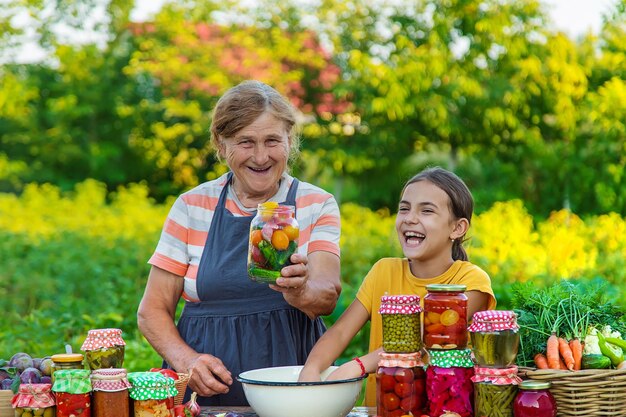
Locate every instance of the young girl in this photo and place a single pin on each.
(433, 217)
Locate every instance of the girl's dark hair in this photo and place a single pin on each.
(461, 200)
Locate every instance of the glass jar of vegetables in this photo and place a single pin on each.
(534, 400)
(66, 361)
(110, 393)
(495, 390)
(104, 348)
(495, 338)
(400, 385)
(152, 394)
(72, 388)
(273, 239)
(401, 323)
(445, 317)
(34, 400)
(449, 384)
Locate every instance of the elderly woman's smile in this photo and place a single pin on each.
(258, 156)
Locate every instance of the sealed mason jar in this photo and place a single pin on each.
(110, 393)
(34, 400)
(449, 384)
(72, 389)
(495, 390)
(495, 338)
(66, 361)
(401, 323)
(152, 394)
(534, 400)
(273, 239)
(104, 348)
(445, 317)
(400, 385)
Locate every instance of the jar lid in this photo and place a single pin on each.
(453, 358)
(72, 381)
(400, 360)
(109, 379)
(399, 304)
(102, 338)
(67, 357)
(33, 396)
(446, 287)
(151, 386)
(530, 384)
(493, 320)
(497, 376)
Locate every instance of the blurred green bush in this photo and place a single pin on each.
(76, 261)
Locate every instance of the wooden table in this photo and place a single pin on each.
(248, 412)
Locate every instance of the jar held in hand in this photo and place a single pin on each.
(274, 233)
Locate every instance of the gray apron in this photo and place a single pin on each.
(245, 324)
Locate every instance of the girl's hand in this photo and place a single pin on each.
(308, 374)
(348, 370)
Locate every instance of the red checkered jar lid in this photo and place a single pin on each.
(33, 396)
(493, 321)
(109, 379)
(497, 376)
(102, 338)
(400, 360)
(400, 304)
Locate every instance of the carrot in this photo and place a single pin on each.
(552, 351)
(541, 361)
(577, 352)
(562, 364)
(566, 353)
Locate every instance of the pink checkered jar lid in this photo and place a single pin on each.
(493, 321)
(102, 338)
(400, 304)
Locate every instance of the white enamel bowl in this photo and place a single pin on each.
(276, 392)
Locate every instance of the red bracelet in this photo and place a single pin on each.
(358, 360)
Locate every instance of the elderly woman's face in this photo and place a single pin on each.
(258, 156)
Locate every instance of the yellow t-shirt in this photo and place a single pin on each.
(392, 276)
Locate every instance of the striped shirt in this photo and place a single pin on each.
(187, 225)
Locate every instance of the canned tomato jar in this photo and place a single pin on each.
(495, 338)
(401, 323)
(400, 385)
(110, 393)
(72, 388)
(104, 348)
(445, 317)
(274, 233)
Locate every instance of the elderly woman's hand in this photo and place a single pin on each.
(209, 376)
(294, 277)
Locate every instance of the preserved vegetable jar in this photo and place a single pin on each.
(534, 400)
(449, 384)
(273, 239)
(66, 361)
(445, 317)
(400, 385)
(104, 348)
(495, 338)
(152, 394)
(110, 393)
(72, 388)
(34, 400)
(401, 323)
(495, 390)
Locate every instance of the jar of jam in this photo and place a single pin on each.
(534, 400)
(66, 361)
(401, 323)
(400, 385)
(495, 390)
(449, 384)
(445, 317)
(104, 348)
(34, 400)
(495, 338)
(72, 388)
(152, 394)
(110, 393)
(273, 239)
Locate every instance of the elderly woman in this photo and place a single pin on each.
(231, 324)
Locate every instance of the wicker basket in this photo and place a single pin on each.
(6, 410)
(181, 387)
(590, 392)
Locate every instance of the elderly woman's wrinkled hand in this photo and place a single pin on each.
(294, 277)
(209, 376)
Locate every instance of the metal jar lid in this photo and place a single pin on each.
(446, 287)
(530, 384)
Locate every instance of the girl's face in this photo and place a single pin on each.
(258, 156)
(425, 224)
